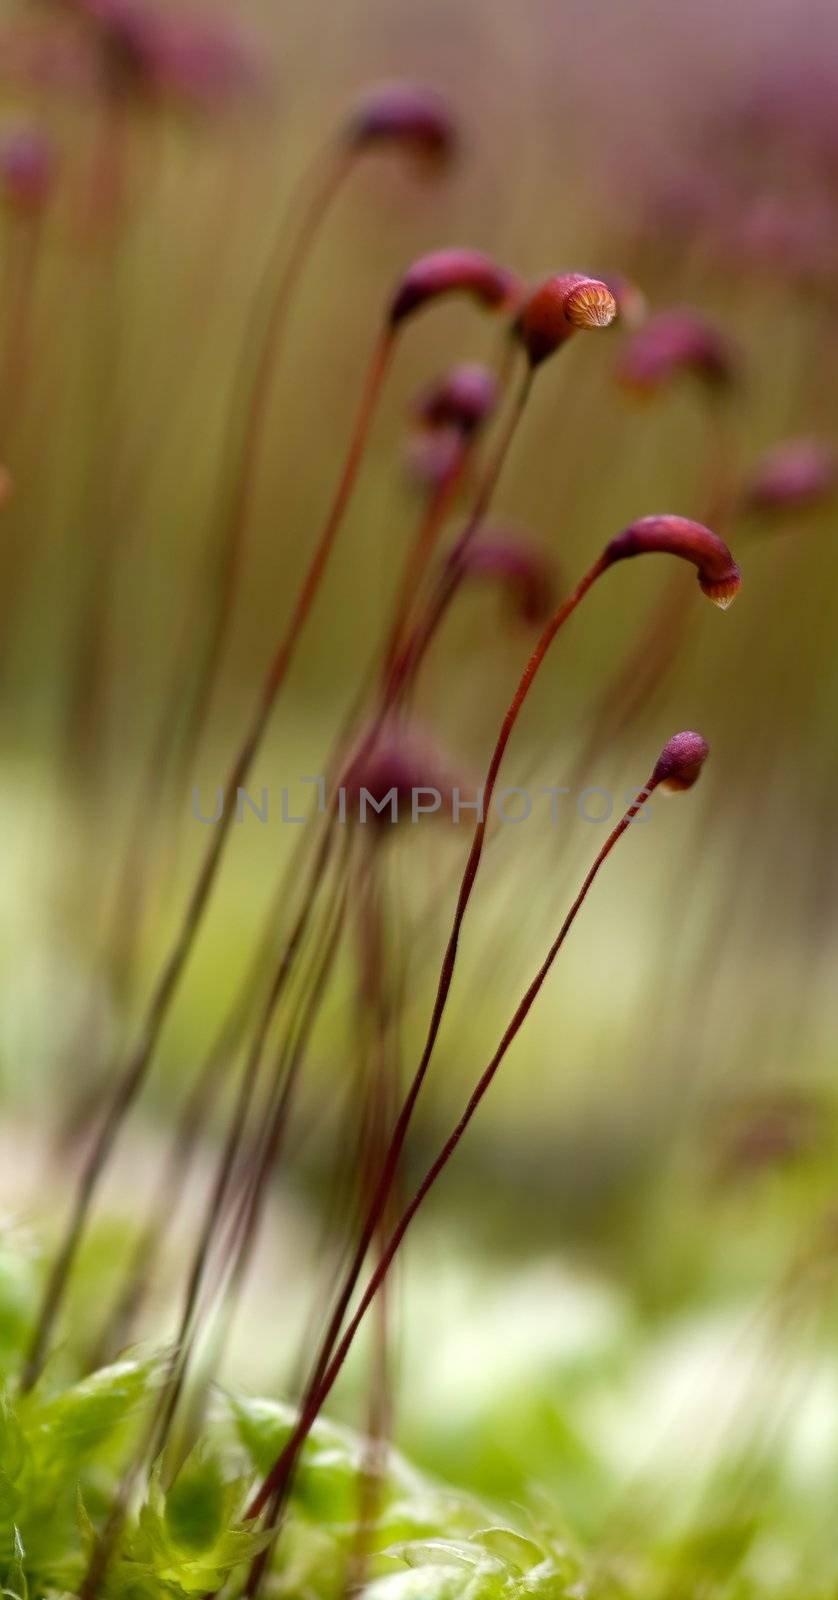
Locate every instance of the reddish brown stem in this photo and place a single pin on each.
(227, 1162)
(244, 1230)
(255, 376)
(276, 1482)
(404, 665)
(403, 1121)
(134, 1071)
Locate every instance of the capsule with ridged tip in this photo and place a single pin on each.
(560, 307)
(454, 271)
(718, 575)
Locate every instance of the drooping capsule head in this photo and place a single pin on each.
(673, 344)
(462, 398)
(456, 271)
(797, 475)
(558, 308)
(680, 762)
(523, 570)
(406, 116)
(718, 575)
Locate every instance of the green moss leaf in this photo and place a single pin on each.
(196, 1505)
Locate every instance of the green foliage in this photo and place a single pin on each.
(63, 1454)
(746, 1518)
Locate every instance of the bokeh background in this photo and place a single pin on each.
(637, 1232)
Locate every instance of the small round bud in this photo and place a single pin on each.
(718, 575)
(206, 63)
(403, 114)
(671, 344)
(397, 775)
(559, 307)
(27, 168)
(795, 476)
(463, 399)
(445, 272)
(151, 52)
(524, 571)
(680, 761)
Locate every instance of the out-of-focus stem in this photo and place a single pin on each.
(133, 1073)
(277, 1479)
(246, 425)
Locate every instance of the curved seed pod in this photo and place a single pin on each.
(680, 761)
(718, 574)
(672, 344)
(462, 399)
(524, 570)
(558, 308)
(455, 271)
(796, 475)
(404, 114)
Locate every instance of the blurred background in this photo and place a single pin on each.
(629, 1261)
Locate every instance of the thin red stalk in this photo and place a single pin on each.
(403, 1121)
(199, 1103)
(245, 1225)
(229, 1156)
(419, 556)
(259, 1163)
(263, 1163)
(255, 378)
(121, 1318)
(404, 667)
(402, 674)
(379, 1098)
(136, 1067)
(278, 1478)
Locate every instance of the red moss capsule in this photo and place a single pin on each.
(407, 115)
(718, 574)
(399, 774)
(202, 63)
(462, 399)
(680, 761)
(205, 63)
(671, 344)
(27, 169)
(524, 571)
(795, 476)
(558, 308)
(455, 271)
